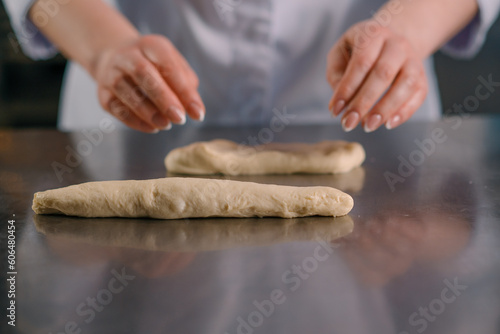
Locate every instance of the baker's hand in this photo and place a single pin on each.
(147, 84)
(377, 77)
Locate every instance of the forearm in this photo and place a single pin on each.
(82, 29)
(428, 24)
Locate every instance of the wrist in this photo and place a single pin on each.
(426, 24)
(392, 17)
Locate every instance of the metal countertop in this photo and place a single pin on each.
(420, 251)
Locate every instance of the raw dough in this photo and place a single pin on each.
(172, 198)
(196, 235)
(227, 157)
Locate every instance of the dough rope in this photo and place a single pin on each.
(176, 197)
(226, 157)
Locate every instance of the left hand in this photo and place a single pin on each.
(377, 77)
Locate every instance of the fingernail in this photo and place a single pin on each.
(160, 121)
(178, 115)
(372, 123)
(350, 121)
(338, 107)
(393, 122)
(197, 110)
(168, 127)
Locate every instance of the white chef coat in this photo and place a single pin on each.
(251, 56)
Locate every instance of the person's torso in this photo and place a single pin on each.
(254, 58)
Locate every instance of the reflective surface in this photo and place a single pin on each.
(420, 252)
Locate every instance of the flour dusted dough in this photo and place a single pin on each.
(172, 198)
(227, 157)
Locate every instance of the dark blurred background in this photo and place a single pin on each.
(29, 91)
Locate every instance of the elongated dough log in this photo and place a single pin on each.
(173, 198)
(227, 157)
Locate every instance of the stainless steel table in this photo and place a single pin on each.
(420, 252)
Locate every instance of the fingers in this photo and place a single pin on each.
(177, 73)
(406, 111)
(405, 96)
(148, 80)
(123, 113)
(378, 80)
(149, 84)
(359, 65)
(122, 88)
(141, 106)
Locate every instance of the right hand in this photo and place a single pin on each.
(147, 84)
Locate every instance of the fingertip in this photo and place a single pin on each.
(160, 121)
(144, 127)
(393, 122)
(350, 121)
(176, 115)
(139, 125)
(183, 119)
(196, 112)
(339, 106)
(372, 123)
(168, 127)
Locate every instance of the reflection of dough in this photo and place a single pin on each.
(194, 235)
(352, 181)
(172, 198)
(227, 157)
